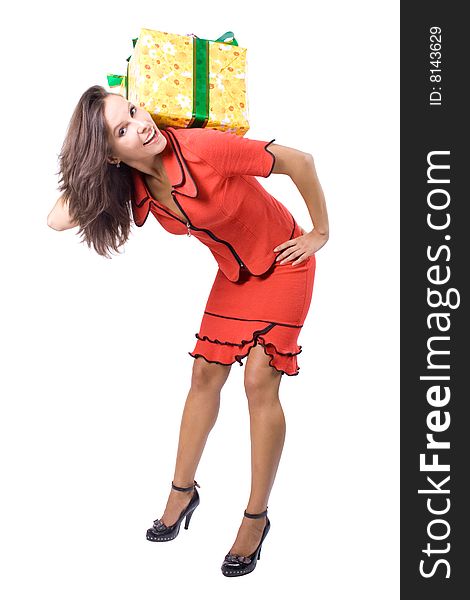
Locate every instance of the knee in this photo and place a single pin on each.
(207, 375)
(261, 387)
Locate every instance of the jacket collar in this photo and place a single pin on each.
(176, 166)
(178, 173)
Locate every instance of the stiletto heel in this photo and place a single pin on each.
(188, 518)
(235, 565)
(159, 532)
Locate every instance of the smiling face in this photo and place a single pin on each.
(133, 135)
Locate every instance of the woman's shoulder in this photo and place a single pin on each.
(198, 137)
(226, 152)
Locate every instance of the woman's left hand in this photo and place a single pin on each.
(300, 248)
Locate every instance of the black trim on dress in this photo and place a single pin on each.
(257, 339)
(274, 158)
(183, 165)
(256, 320)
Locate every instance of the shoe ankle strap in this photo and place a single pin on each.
(185, 489)
(258, 515)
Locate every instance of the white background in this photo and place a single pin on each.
(95, 352)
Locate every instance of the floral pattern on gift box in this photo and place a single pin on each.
(161, 81)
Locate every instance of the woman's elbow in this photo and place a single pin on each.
(57, 225)
(59, 217)
(51, 223)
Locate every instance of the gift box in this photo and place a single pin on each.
(187, 81)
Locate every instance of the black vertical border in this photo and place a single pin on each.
(424, 129)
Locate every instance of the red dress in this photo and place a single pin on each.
(254, 299)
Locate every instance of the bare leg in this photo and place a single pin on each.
(199, 416)
(267, 429)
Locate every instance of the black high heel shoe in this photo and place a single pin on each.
(160, 532)
(235, 565)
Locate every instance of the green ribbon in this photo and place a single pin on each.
(201, 78)
(200, 112)
(114, 80)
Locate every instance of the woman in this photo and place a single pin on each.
(115, 162)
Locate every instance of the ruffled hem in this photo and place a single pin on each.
(271, 338)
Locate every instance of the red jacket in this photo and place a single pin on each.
(213, 175)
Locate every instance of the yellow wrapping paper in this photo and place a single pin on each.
(161, 80)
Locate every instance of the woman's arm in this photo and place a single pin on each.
(300, 167)
(59, 218)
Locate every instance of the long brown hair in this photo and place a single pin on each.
(98, 194)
